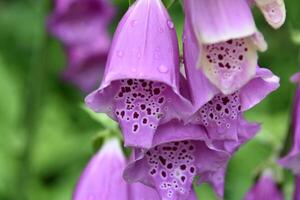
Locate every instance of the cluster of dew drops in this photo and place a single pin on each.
(172, 165)
(220, 110)
(226, 56)
(140, 102)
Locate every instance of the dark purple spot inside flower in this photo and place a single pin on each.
(136, 115)
(229, 41)
(162, 160)
(129, 82)
(227, 65)
(183, 167)
(145, 121)
(170, 166)
(135, 127)
(218, 107)
(183, 179)
(122, 113)
(192, 169)
(156, 91)
(153, 171)
(143, 106)
(225, 100)
(221, 65)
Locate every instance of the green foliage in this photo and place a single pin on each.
(48, 135)
(168, 3)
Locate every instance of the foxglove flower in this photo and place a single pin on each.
(140, 87)
(77, 22)
(82, 27)
(221, 114)
(264, 189)
(292, 160)
(179, 153)
(228, 39)
(86, 63)
(103, 175)
(102, 178)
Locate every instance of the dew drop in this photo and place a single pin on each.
(133, 23)
(120, 53)
(163, 69)
(170, 24)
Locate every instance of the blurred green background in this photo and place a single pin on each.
(46, 134)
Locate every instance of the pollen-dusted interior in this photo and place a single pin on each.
(172, 167)
(220, 111)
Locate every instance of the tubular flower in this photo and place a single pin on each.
(86, 63)
(77, 22)
(82, 27)
(140, 87)
(264, 189)
(292, 160)
(228, 39)
(179, 153)
(221, 114)
(102, 178)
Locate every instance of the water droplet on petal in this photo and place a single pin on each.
(163, 69)
(133, 23)
(156, 55)
(120, 53)
(170, 24)
(139, 55)
(161, 30)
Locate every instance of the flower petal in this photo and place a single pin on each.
(264, 189)
(86, 63)
(263, 84)
(139, 191)
(79, 21)
(202, 90)
(218, 21)
(220, 116)
(273, 11)
(229, 65)
(107, 166)
(296, 78)
(171, 165)
(140, 87)
(292, 160)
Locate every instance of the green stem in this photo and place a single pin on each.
(34, 87)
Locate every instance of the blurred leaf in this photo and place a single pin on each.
(169, 3)
(130, 2)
